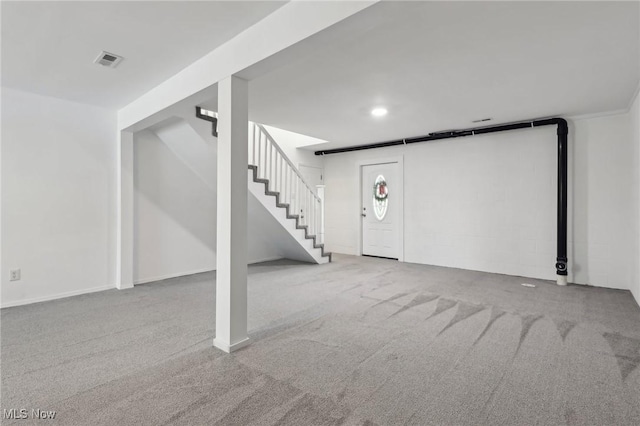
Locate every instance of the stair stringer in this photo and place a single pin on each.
(259, 188)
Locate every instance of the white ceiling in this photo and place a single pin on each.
(434, 65)
(48, 47)
(440, 65)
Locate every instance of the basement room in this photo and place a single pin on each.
(361, 213)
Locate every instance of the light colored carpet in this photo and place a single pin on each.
(359, 341)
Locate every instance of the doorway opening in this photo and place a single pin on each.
(381, 209)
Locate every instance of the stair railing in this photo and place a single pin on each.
(284, 177)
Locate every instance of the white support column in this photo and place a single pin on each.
(231, 246)
(124, 243)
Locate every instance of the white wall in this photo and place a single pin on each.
(488, 202)
(175, 210)
(293, 146)
(634, 122)
(603, 203)
(58, 197)
(175, 203)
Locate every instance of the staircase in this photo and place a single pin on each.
(280, 188)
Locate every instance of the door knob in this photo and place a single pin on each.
(364, 215)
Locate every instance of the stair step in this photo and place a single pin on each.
(286, 206)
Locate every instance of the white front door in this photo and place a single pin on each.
(380, 210)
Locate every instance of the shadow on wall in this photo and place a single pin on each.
(175, 189)
(175, 204)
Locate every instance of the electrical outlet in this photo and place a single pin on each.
(14, 275)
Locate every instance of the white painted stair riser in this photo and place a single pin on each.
(297, 236)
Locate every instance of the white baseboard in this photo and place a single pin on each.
(173, 275)
(197, 271)
(636, 296)
(226, 347)
(56, 296)
(109, 287)
(266, 259)
(609, 286)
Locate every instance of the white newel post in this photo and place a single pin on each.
(231, 275)
(320, 192)
(124, 237)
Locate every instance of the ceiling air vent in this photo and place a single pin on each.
(108, 59)
(481, 120)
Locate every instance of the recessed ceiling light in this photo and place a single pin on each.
(379, 112)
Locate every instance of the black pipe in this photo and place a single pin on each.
(563, 132)
(213, 120)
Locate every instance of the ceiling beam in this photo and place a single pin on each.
(288, 25)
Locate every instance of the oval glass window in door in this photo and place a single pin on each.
(380, 197)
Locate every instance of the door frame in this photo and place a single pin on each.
(400, 191)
